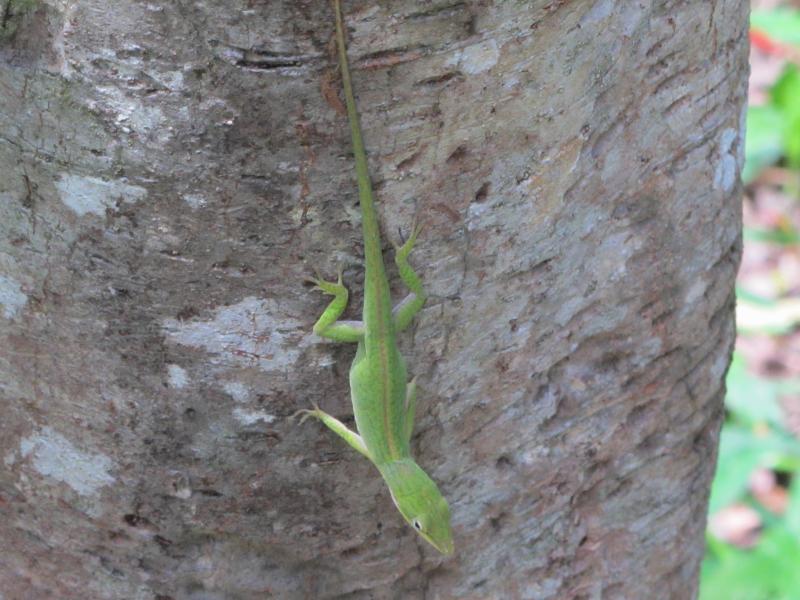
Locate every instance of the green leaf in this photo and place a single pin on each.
(781, 92)
(755, 437)
(784, 95)
(741, 451)
(792, 516)
(764, 141)
(752, 297)
(752, 399)
(768, 572)
(780, 24)
(781, 236)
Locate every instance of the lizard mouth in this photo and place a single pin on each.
(447, 548)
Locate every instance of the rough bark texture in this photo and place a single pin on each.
(173, 169)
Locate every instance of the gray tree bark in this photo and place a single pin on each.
(173, 169)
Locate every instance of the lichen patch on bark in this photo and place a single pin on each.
(92, 195)
(251, 332)
(56, 457)
(12, 298)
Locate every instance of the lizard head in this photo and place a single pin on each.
(420, 502)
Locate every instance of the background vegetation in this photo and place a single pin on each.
(753, 550)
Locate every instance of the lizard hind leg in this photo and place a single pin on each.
(411, 304)
(327, 325)
(335, 425)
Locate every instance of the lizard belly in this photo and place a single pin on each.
(378, 396)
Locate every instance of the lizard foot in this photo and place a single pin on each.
(329, 287)
(404, 250)
(305, 413)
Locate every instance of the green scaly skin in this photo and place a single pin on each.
(383, 400)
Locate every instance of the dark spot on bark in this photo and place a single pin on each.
(498, 521)
(437, 10)
(503, 462)
(439, 79)
(6, 15)
(194, 587)
(471, 25)
(407, 162)
(483, 192)
(638, 416)
(264, 60)
(190, 413)
(351, 552)
(135, 520)
(28, 201)
(502, 364)
(210, 492)
(650, 442)
(186, 313)
(457, 154)
(391, 56)
(595, 467)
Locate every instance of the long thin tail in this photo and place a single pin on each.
(372, 236)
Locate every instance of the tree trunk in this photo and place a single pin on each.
(173, 169)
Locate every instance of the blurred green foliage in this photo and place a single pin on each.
(782, 24)
(769, 572)
(763, 144)
(754, 435)
(773, 129)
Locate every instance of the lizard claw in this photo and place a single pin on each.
(316, 279)
(305, 413)
(328, 287)
(416, 229)
(407, 245)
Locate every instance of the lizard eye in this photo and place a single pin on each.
(417, 525)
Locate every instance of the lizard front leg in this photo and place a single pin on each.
(404, 312)
(411, 407)
(335, 425)
(327, 325)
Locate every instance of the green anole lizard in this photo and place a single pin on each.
(383, 400)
